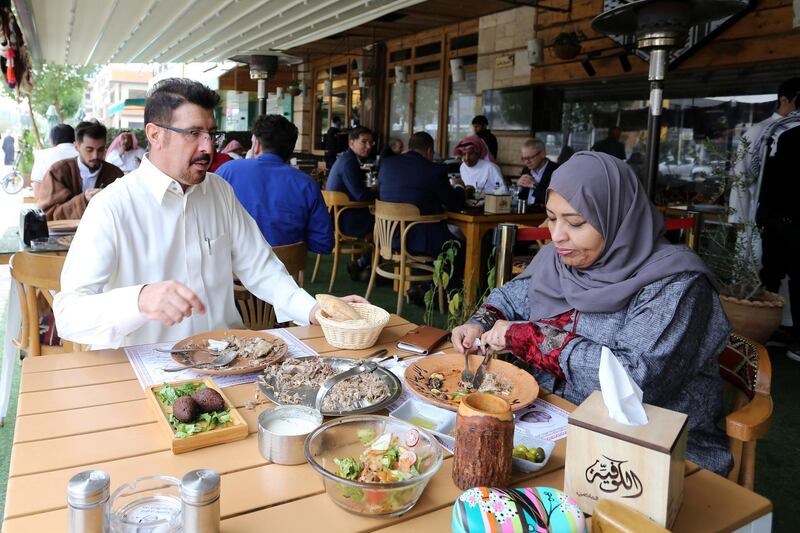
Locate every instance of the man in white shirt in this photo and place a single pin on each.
(154, 256)
(125, 153)
(62, 146)
(477, 168)
(743, 201)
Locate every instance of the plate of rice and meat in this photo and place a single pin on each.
(296, 381)
(255, 350)
(437, 379)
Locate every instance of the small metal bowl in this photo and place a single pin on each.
(285, 447)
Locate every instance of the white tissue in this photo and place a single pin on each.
(622, 396)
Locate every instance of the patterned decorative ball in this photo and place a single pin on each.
(524, 510)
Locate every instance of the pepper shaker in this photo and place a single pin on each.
(200, 501)
(87, 499)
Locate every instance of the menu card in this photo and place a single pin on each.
(148, 364)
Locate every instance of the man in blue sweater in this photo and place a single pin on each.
(286, 203)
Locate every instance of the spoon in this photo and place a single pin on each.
(218, 362)
(189, 350)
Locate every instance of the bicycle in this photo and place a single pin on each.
(14, 181)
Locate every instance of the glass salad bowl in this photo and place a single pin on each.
(408, 458)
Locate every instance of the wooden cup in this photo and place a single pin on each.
(484, 442)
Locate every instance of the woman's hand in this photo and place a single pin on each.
(464, 336)
(495, 338)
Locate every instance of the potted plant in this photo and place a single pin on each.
(458, 311)
(567, 44)
(731, 251)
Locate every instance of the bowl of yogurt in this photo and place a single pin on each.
(282, 431)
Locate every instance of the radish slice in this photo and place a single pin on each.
(412, 437)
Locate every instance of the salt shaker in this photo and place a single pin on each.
(200, 501)
(87, 499)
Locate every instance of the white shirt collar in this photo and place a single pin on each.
(158, 183)
(87, 172)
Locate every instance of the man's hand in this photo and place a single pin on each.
(464, 336)
(169, 302)
(526, 181)
(495, 338)
(351, 299)
(89, 193)
(457, 181)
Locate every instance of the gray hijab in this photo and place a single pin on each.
(605, 191)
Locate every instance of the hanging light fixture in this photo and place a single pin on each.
(457, 69)
(660, 26)
(400, 73)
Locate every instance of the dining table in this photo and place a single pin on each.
(475, 225)
(87, 410)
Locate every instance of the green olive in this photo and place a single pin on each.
(520, 448)
(539, 455)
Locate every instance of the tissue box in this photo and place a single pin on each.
(497, 203)
(639, 466)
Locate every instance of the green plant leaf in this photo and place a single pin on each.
(445, 280)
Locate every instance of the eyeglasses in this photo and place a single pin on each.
(196, 135)
(530, 157)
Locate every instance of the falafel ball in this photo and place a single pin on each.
(209, 400)
(186, 409)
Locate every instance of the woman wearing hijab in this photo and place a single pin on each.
(610, 278)
(478, 169)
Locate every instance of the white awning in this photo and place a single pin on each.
(183, 31)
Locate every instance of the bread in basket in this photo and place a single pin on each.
(352, 334)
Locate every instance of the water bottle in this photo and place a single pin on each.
(87, 499)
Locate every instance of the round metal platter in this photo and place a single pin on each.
(308, 394)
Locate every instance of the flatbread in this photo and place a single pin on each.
(336, 308)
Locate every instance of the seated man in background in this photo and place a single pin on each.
(535, 178)
(285, 202)
(413, 178)
(70, 184)
(154, 257)
(62, 146)
(346, 176)
(478, 169)
(611, 145)
(125, 153)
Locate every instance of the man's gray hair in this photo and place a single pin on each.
(536, 144)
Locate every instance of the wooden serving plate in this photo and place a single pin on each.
(524, 387)
(63, 226)
(238, 365)
(236, 430)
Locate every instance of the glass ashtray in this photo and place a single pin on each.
(147, 505)
(57, 243)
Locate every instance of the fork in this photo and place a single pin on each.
(466, 375)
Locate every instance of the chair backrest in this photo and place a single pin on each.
(38, 276)
(745, 364)
(389, 217)
(336, 199)
(293, 257)
(256, 313)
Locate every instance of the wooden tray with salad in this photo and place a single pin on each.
(195, 413)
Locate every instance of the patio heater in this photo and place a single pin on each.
(658, 27)
(262, 66)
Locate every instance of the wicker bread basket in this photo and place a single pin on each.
(354, 336)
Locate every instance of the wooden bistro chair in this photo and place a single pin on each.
(37, 277)
(256, 313)
(338, 203)
(389, 218)
(745, 365)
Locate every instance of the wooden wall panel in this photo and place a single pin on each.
(763, 34)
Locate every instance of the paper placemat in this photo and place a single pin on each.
(148, 363)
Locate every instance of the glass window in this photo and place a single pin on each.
(322, 122)
(426, 106)
(339, 107)
(697, 135)
(398, 111)
(461, 111)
